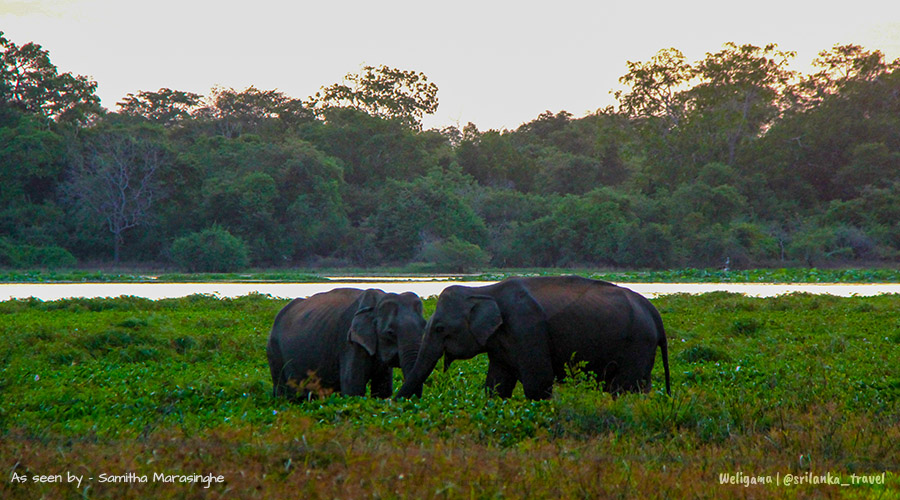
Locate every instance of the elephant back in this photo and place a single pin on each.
(567, 296)
(322, 312)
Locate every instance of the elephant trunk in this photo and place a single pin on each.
(427, 359)
(408, 361)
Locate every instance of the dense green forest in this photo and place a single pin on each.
(733, 160)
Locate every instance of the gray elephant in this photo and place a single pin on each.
(531, 328)
(342, 340)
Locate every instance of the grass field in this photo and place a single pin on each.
(795, 389)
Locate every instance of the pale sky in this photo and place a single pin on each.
(497, 64)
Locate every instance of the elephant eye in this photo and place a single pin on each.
(439, 329)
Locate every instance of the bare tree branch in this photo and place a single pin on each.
(116, 179)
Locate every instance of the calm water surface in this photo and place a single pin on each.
(423, 288)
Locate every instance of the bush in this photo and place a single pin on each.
(27, 256)
(212, 250)
(455, 255)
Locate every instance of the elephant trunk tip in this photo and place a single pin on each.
(409, 389)
(428, 356)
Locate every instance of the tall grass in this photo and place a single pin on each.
(801, 384)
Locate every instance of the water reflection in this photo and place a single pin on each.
(154, 291)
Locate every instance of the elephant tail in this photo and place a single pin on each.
(663, 344)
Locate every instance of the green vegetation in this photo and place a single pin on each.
(798, 384)
(209, 251)
(461, 259)
(793, 275)
(46, 276)
(730, 161)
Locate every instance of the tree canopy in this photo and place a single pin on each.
(31, 83)
(733, 160)
(384, 92)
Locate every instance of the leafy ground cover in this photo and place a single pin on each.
(688, 275)
(797, 390)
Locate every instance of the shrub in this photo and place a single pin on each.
(455, 255)
(212, 250)
(27, 256)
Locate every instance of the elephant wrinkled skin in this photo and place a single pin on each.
(531, 328)
(342, 340)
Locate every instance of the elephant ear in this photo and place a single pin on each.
(484, 318)
(362, 328)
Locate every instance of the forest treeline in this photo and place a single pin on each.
(733, 160)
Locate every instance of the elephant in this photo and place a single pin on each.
(532, 327)
(343, 339)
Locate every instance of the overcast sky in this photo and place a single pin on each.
(497, 64)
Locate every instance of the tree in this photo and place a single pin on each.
(165, 106)
(234, 113)
(657, 87)
(372, 149)
(30, 82)
(816, 151)
(32, 162)
(116, 179)
(493, 160)
(841, 67)
(384, 92)
(740, 92)
(281, 197)
(417, 212)
(743, 90)
(31, 157)
(657, 103)
(565, 173)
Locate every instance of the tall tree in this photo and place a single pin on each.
(657, 103)
(165, 106)
(743, 90)
(843, 137)
(493, 160)
(30, 82)
(657, 87)
(31, 158)
(384, 92)
(236, 112)
(842, 67)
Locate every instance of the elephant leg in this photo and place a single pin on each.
(537, 374)
(533, 355)
(383, 383)
(632, 381)
(538, 387)
(499, 381)
(630, 378)
(288, 382)
(275, 371)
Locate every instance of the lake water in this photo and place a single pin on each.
(424, 288)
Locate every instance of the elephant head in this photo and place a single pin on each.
(459, 329)
(389, 326)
